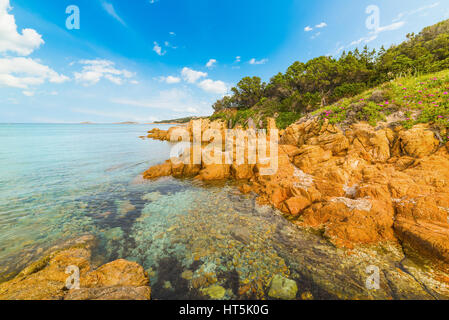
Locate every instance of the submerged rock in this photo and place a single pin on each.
(215, 292)
(283, 288)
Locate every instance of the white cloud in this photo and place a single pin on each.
(308, 29)
(254, 61)
(95, 70)
(415, 11)
(211, 63)
(192, 76)
(28, 93)
(23, 72)
(375, 34)
(238, 59)
(218, 87)
(109, 8)
(172, 33)
(158, 49)
(170, 79)
(321, 25)
(316, 35)
(175, 100)
(11, 40)
(391, 27)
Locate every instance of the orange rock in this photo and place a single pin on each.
(243, 171)
(47, 278)
(430, 238)
(352, 185)
(215, 172)
(310, 156)
(418, 142)
(297, 204)
(278, 196)
(120, 273)
(158, 171)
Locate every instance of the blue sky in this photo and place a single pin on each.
(146, 60)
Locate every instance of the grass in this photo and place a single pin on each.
(423, 99)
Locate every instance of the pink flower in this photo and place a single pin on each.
(445, 93)
(404, 88)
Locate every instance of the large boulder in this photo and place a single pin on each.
(46, 279)
(418, 142)
(429, 237)
(282, 288)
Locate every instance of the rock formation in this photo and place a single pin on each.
(357, 185)
(46, 279)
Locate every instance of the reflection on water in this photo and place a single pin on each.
(62, 181)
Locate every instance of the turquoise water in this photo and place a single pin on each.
(56, 179)
(60, 182)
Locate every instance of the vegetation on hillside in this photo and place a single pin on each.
(180, 120)
(324, 81)
(409, 100)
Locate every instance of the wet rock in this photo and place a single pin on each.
(158, 171)
(241, 234)
(215, 292)
(110, 293)
(187, 275)
(283, 288)
(46, 279)
(353, 185)
(306, 296)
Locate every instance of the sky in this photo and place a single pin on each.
(149, 60)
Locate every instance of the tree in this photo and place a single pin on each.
(227, 102)
(248, 92)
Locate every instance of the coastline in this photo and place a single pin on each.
(354, 199)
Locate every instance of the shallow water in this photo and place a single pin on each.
(59, 182)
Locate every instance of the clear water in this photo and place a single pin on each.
(59, 182)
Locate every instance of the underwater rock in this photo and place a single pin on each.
(307, 296)
(283, 288)
(215, 292)
(153, 196)
(187, 275)
(110, 293)
(241, 234)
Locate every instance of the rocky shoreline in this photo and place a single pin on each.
(356, 185)
(354, 197)
(46, 279)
